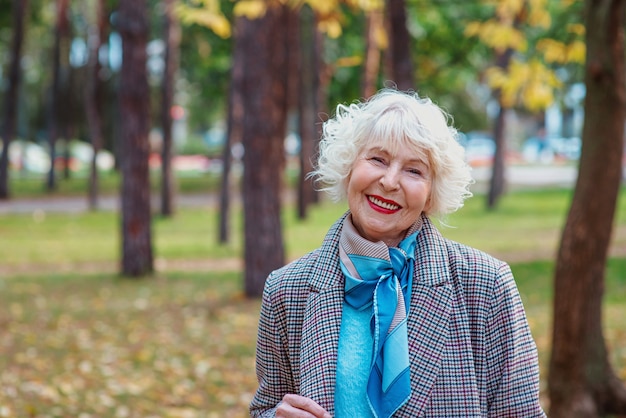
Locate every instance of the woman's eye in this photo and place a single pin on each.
(378, 160)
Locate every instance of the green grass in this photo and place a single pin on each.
(77, 339)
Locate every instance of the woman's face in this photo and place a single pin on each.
(387, 192)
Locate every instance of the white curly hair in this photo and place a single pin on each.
(394, 120)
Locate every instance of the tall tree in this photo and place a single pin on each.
(93, 95)
(208, 13)
(171, 35)
(374, 28)
(581, 381)
(233, 136)
(132, 23)
(60, 77)
(496, 185)
(399, 45)
(263, 92)
(11, 98)
(308, 106)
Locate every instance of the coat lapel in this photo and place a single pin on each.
(428, 323)
(322, 324)
(320, 339)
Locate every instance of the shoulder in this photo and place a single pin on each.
(293, 275)
(486, 282)
(473, 260)
(463, 262)
(475, 274)
(313, 271)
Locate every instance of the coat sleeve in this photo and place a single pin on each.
(273, 367)
(512, 365)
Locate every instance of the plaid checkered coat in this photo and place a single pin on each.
(472, 354)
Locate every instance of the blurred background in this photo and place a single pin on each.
(153, 172)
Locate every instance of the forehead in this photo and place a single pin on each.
(406, 149)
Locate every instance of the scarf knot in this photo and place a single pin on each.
(380, 277)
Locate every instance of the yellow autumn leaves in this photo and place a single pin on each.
(530, 84)
(527, 81)
(207, 12)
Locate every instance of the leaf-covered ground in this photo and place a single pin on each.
(178, 345)
(99, 346)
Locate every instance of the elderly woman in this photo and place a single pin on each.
(387, 317)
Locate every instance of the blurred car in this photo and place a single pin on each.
(480, 148)
(547, 150)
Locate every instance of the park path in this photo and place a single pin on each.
(517, 176)
(78, 204)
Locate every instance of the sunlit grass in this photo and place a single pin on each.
(526, 226)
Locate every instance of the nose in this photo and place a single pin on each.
(390, 180)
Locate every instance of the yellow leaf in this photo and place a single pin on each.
(539, 15)
(323, 7)
(496, 78)
(330, 27)
(576, 28)
(498, 36)
(539, 18)
(251, 9)
(528, 84)
(207, 15)
(382, 41)
(576, 52)
(473, 29)
(553, 51)
(352, 61)
(537, 96)
(507, 10)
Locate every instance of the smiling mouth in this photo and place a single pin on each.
(383, 204)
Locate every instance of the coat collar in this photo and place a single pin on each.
(428, 322)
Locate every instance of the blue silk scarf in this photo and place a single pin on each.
(380, 277)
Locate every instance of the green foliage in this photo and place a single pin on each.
(447, 62)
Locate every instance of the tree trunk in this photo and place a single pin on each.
(172, 42)
(264, 107)
(60, 49)
(371, 67)
(581, 381)
(400, 45)
(497, 181)
(308, 108)
(233, 131)
(93, 108)
(137, 259)
(11, 98)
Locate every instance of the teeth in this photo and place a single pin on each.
(388, 206)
